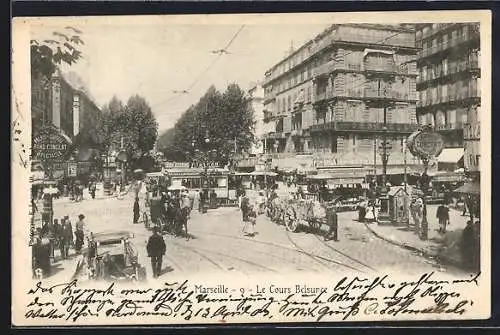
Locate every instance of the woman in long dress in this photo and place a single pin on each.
(249, 227)
(370, 213)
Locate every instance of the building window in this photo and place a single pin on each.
(334, 145)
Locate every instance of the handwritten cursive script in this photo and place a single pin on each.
(350, 298)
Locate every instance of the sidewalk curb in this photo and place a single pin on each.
(442, 259)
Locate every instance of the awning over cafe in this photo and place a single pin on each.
(451, 155)
(471, 187)
(451, 177)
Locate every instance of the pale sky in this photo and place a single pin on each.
(154, 59)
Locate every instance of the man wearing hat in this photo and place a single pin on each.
(80, 233)
(332, 221)
(156, 248)
(67, 230)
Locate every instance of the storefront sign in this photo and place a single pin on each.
(425, 144)
(72, 169)
(50, 144)
(170, 165)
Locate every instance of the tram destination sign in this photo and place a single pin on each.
(50, 144)
(425, 144)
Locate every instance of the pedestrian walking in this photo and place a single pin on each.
(370, 212)
(251, 219)
(201, 202)
(465, 201)
(80, 233)
(186, 203)
(245, 207)
(361, 208)
(56, 238)
(60, 237)
(137, 212)
(156, 248)
(332, 222)
(67, 233)
(70, 228)
(92, 189)
(443, 216)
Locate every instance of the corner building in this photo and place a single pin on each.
(330, 97)
(449, 88)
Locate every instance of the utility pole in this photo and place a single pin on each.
(122, 147)
(384, 142)
(405, 164)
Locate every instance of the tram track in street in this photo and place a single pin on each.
(344, 254)
(208, 259)
(199, 252)
(173, 262)
(316, 257)
(283, 259)
(296, 248)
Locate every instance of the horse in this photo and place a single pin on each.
(181, 219)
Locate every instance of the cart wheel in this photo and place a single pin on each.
(146, 219)
(291, 221)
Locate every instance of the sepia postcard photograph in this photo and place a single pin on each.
(251, 168)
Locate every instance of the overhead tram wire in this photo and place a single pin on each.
(219, 55)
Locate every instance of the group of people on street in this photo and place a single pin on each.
(368, 210)
(57, 235)
(168, 210)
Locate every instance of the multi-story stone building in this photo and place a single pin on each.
(449, 88)
(256, 94)
(330, 97)
(55, 101)
(68, 108)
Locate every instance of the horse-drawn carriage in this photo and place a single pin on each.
(167, 213)
(294, 212)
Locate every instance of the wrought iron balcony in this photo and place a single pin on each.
(324, 69)
(274, 135)
(449, 126)
(364, 127)
(268, 115)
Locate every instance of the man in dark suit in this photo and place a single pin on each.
(332, 221)
(156, 249)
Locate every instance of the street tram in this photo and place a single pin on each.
(195, 179)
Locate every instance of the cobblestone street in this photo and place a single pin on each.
(218, 244)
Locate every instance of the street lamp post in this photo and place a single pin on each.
(425, 144)
(424, 184)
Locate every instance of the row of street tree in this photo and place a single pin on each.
(220, 122)
(132, 124)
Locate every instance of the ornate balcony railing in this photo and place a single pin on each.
(365, 126)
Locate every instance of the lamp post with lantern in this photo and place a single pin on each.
(425, 144)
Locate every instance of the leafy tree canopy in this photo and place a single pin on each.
(48, 54)
(224, 119)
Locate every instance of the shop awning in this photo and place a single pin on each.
(345, 181)
(263, 173)
(471, 187)
(448, 177)
(451, 155)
